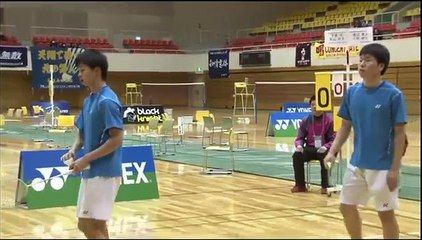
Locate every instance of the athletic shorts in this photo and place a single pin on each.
(359, 185)
(96, 197)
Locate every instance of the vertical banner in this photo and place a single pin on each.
(323, 91)
(303, 55)
(218, 63)
(65, 71)
(338, 85)
(13, 57)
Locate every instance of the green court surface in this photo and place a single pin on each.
(263, 162)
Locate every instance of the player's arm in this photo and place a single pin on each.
(77, 145)
(341, 136)
(79, 141)
(399, 139)
(399, 115)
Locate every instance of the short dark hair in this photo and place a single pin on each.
(93, 58)
(312, 99)
(379, 52)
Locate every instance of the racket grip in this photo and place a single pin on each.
(71, 160)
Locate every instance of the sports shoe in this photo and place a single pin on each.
(297, 188)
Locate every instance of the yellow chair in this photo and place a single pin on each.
(220, 170)
(133, 93)
(200, 114)
(36, 110)
(24, 111)
(66, 121)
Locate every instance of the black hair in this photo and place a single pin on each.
(93, 58)
(312, 99)
(379, 52)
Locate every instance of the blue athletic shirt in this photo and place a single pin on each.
(101, 111)
(373, 112)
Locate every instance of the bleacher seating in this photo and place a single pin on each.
(9, 41)
(413, 12)
(239, 43)
(151, 46)
(98, 43)
(323, 14)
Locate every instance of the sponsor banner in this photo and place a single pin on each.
(142, 114)
(321, 51)
(139, 179)
(12, 57)
(297, 107)
(286, 124)
(65, 71)
(303, 55)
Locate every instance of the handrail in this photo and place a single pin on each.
(265, 46)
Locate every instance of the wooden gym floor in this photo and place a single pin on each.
(196, 206)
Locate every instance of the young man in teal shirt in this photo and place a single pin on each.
(100, 125)
(377, 111)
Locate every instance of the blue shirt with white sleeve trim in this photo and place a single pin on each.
(101, 111)
(374, 112)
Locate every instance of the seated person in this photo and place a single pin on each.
(314, 139)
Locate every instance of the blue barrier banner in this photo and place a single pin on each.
(218, 63)
(139, 179)
(286, 124)
(13, 57)
(65, 71)
(64, 107)
(297, 107)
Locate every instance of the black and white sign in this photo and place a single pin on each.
(218, 63)
(142, 114)
(303, 55)
(13, 57)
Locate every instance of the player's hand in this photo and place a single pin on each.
(299, 148)
(329, 160)
(393, 179)
(79, 165)
(322, 149)
(67, 156)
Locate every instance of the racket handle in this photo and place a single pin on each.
(71, 160)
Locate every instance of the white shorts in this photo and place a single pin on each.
(96, 197)
(359, 185)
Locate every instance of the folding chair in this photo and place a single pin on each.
(210, 129)
(229, 149)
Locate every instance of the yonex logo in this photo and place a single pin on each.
(385, 205)
(47, 172)
(377, 106)
(139, 169)
(282, 124)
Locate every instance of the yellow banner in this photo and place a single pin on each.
(321, 52)
(323, 91)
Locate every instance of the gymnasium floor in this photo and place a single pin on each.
(199, 206)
